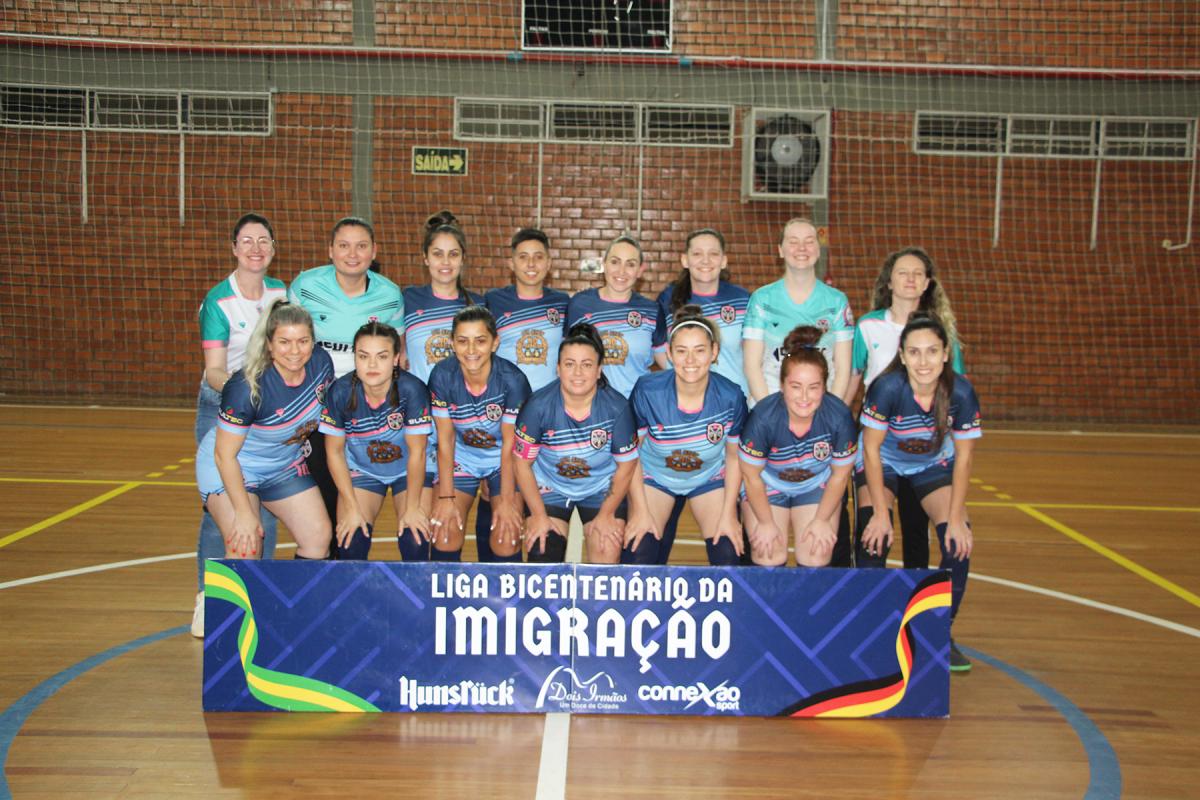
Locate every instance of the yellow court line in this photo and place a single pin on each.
(70, 512)
(1085, 506)
(91, 482)
(1112, 555)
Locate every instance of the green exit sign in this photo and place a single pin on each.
(439, 161)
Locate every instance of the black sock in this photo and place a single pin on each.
(958, 572)
(411, 547)
(721, 552)
(483, 531)
(445, 555)
(861, 557)
(359, 546)
(645, 553)
(554, 552)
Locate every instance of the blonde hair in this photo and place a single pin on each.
(258, 354)
(934, 300)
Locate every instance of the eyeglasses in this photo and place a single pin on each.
(247, 243)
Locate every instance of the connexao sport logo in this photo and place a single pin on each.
(414, 694)
(720, 697)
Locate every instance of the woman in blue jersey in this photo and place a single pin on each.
(704, 282)
(630, 326)
(797, 452)
(920, 422)
(429, 309)
(906, 284)
(576, 446)
(254, 454)
(227, 317)
(689, 420)
(476, 396)
(376, 424)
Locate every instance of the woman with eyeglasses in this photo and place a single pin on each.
(227, 317)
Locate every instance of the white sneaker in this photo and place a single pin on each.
(198, 617)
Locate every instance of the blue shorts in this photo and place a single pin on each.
(469, 484)
(586, 513)
(288, 483)
(785, 500)
(376, 486)
(704, 488)
(923, 483)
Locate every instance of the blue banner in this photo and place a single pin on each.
(389, 636)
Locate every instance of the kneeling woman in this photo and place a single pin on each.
(376, 424)
(254, 454)
(476, 396)
(797, 451)
(920, 422)
(689, 420)
(576, 445)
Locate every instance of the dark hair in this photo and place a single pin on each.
(681, 291)
(945, 386)
(383, 331)
(446, 222)
(530, 235)
(250, 219)
(375, 266)
(585, 333)
(475, 313)
(694, 315)
(800, 347)
(351, 222)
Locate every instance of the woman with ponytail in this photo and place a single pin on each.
(576, 446)
(476, 396)
(254, 456)
(797, 452)
(920, 422)
(376, 424)
(689, 419)
(429, 309)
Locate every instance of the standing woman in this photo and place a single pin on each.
(920, 422)
(341, 296)
(689, 420)
(376, 424)
(227, 317)
(798, 298)
(797, 452)
(253, 455)
(631, 327)
(905, 285)
(429, 309)
(704, 282)
(576, 445)
(476, 396)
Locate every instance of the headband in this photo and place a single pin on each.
(694, 322)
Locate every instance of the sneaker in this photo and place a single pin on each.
(198, 617)
(958, 662)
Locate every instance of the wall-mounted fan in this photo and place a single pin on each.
(785, 155)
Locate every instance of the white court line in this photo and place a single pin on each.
(556, 730)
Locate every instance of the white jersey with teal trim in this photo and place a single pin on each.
(337, 317)
(772, 315)
(876, 341)
(227, 317)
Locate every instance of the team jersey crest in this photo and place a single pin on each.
(634, 318)
(493, 411)
(553, 316)
(573, 468)
(383, 452)
(599, 438)
(532, 346)
(684, 461)
(478, 438)
(822, 451)
(715, 432)
(795, 475)
(438, 346)
(728, 314)
(616, 349)
(395, 420)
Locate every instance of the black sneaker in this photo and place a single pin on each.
(958, 662)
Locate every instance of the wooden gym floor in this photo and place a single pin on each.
(1082, 615)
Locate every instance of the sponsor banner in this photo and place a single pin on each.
(388, 636)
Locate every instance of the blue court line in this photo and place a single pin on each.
(1104, 780)
(1105, 770)
(13, 717)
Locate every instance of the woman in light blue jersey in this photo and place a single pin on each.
(227, 318)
